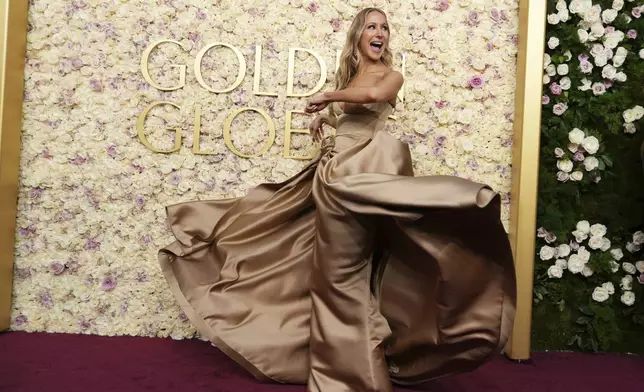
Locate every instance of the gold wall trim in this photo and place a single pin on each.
(13, 41)
(525, 166)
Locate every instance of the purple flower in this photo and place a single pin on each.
(108, 284)
(79, 161)
(140, 201)
(183, 317)
(556, 89)
(582, 57)
(84, 325)
(440, 104)
(201, 15)
(585, 66)
(141, 277)
(56, 267)
(20, 320)
(45, 299)
(442, 5)
(559, 109)
(472, 164)
(111, 151)
(92, 244)
(96, 85)
(636, 12)
(550, 238)
(578, 156)
(440, 140)
(559, 152)
(193, 37)
(495, 14)
(609, 30)
(632, 34)
(574, 245)
(640, 279)
(473, 18)
(476, 81)
(313, 7)
(335, 23)
(542, 232)
(545, 100)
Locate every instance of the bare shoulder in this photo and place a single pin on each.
(395, 75)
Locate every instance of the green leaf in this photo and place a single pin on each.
(607, 160)
(585, 309)
(583, 320)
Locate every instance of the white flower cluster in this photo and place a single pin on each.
(92, 197)
(580, 151)
(575, 257)
(630, 116)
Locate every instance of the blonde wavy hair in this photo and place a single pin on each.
(351, 57)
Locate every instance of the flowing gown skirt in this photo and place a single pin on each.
(350, 274)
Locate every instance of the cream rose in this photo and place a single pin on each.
(576, 136)
(629, 268)
(546, 252)
(554, 271)
(600, 294)
(628, 298)
(626, 283)
(565, 165)
(591, 163)
(575, 264)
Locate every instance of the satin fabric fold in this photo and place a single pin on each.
(351, 274)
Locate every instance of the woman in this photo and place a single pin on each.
(354, 272)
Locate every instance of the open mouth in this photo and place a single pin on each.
(376, 46)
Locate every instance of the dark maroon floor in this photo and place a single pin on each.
(69, 363)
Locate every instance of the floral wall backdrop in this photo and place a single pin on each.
(589, 286)
(92, 197)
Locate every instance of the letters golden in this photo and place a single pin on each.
(241, 74)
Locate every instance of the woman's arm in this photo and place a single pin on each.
(385, 90)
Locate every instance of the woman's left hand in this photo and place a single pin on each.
(316, 104)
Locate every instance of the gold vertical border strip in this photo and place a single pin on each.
(525, 166)
(13, 41)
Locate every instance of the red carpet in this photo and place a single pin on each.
(71, 363)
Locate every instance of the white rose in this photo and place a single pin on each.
(609, 287)
(629, 128)
(599, 88)
(600, 294)
(629, 115)
(593, 14)
(576, 136)
(575, 264)
(575, 6)
(611, 40)
(618, 60)
(621, 51)
(565, 83)
(564, 15)
(576, 175)
(547, 60)
(553, 19)
(555, 271)
(563, 250)
(629, 268)
(561, 5)
(551, 70)
(597, 30)
(562, 69)
(618, 4)
(632, 247)
(565, 165)
(617, 254)
(583, 226)
(628, 298)
(591, 163)
(562, 176)
(641, 53)
(621, 77)
(640, 266)
(583, 35)
(590, 144)
(597, 50)
(595, 242)
(587, 271)
(546, 252)
(609, 72)
(585, 85)
(605, 244)
(626, 283)
(546, 79)
(614, 267)
(598, 230)
(563, 264)
(553, 42)
(583, 254)
(609, 15)
(638, 237)
(568, 55)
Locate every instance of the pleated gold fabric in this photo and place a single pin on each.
(351, 274)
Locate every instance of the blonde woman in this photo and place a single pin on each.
(353, 273)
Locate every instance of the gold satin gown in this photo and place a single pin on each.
(351, 274)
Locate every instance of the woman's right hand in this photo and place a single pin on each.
(316, 128)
